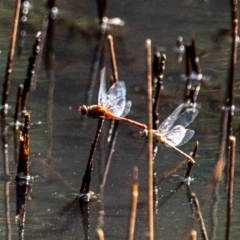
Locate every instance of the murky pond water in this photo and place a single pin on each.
(61, 139)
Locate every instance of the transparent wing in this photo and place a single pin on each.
(127, 108)
(186, 117)
(188, 135)
(175, 136)
(102, 94)
(168, 123)
(115, 100)
(178, 118)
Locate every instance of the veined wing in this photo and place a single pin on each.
(102, 94)
(188, 135)
(168, 123)
(115, 100)
(187, 117)
(127, 108)
(175, 136)
(178, 118)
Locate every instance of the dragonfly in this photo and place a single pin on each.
(173, 132)
(111, 104)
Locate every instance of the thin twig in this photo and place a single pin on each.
(115, 79)
(150, 143)
(113, 58)
(134, 204)
(30, 72)
(7, 79)
(190, 164)
(17, 113)
(193, 235)
(85, 187)
(100, 233)
(232, 140)
(159, 78)
(199, 215)
(233, 60)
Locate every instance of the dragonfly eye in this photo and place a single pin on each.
(83, 110)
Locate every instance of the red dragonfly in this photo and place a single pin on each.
(111, 104)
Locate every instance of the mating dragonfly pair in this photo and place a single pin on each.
(113, 105)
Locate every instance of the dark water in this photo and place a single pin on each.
(61, 139)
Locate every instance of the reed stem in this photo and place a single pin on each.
(134, 204)
(232, 140)
(8, 72)
(199, 215)
(150, 143)
(113, 58)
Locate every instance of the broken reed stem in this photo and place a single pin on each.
(7, 78)
(233, 61)
(102, 10)
(113, 58)
(5, 147)
(115, 78)
(150, 143)
(190, 164)
(30, 72)
(134, 204)
(23, 157)
(159, 76)
(95, 65)
(7, 209)
(199, 215)
(17, 113)
(85, 187)
(100, 233)
(194, 58)
(232, 140)
(193, 235)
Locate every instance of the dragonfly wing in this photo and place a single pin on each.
(175, 136)
(102, 95)
(186, 117)
(127, 108)
(188, 135)
(168, 123)
(116, 99)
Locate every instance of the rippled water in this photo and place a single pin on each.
(61, 139)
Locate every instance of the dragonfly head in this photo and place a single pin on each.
(83, 110)
(143, 133)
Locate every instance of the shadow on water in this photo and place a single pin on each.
(46, 205)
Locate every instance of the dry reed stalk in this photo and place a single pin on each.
(113, 58)
(193, 235)
(233, 61)
(232, 140)
(115, 79)
(84, 192)
(7, 78)
(190, 164)
(30, 72)
(134, 204)
(100, 234)
(159, 74)
(199, 215)
(17, 113)
(24, 149)
(150, 143)
(102, 10)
